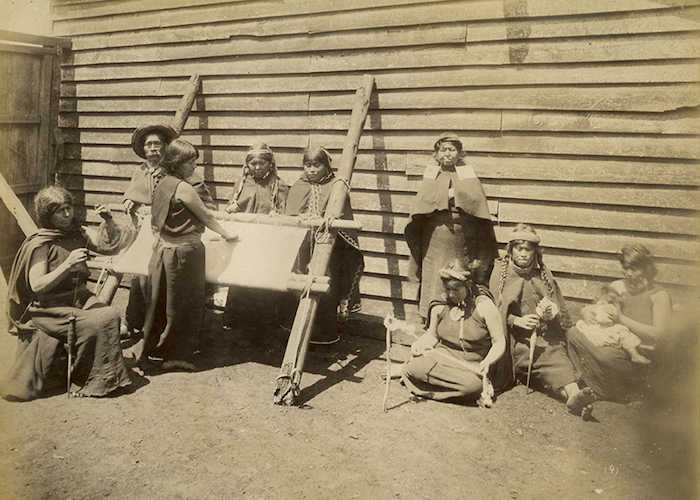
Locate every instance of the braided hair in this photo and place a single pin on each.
(262, 151)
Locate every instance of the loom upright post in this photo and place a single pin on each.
(292, 366)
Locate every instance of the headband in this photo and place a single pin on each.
(524, 236)
(259, 151)
(451, 274)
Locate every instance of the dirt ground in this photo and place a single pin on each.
(216, 434)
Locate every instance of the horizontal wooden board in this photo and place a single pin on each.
(385, 165)
(631, 48)
(268, 112)
(205, 13)
(109, 19)
(678, 147)
(619, 23)
(670, 71)
(420, 35)
(619, 218)
(648, 98)
(622, 100)
(574, 241)
(575, 169)
(627, 48)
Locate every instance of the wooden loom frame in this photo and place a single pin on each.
(317, 283)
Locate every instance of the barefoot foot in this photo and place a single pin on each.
(582, 399)
(640, 359)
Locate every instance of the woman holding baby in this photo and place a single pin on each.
(610, 370)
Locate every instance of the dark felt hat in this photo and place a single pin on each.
(448, 137)
(139, 136)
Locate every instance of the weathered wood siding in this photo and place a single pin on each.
(29, 86)
(579, 117)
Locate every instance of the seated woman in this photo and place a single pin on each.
(259, 191)
(176, 271)
(464, 339)
(646, 310)
(308, 198)
(534, 309)
(47, 287)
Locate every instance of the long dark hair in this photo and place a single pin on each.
(48, 201)
(176, 153)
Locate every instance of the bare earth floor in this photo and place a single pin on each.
(215, 434)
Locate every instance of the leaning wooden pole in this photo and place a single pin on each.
(109, 289)
(289, 379)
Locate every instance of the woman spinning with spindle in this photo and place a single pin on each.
(47, 287)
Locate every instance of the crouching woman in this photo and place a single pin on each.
(47, 288)
(464, 339)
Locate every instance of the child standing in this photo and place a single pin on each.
(597, 326)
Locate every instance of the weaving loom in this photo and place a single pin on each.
(263, 257)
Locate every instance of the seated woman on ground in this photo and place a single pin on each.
(259, 191)
(308, 198)
(47, 287)
(464, 340)
(598, 327)
(536, 317)
(646, 310)
(176, 272)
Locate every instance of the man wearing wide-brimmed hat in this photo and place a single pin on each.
(149, 142)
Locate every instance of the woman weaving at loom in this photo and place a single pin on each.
(48, 299)
(258, 191)
(308, 198)
(176, 286)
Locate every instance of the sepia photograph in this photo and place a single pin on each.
(349, 249)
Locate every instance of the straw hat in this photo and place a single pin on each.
(140, 134)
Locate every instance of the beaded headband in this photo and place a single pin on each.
(524, 236)
(451, 274)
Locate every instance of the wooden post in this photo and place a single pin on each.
(183, 111)
(292, 366)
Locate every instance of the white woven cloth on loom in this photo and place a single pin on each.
(263, 256)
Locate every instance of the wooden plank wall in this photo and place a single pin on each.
(579, 117)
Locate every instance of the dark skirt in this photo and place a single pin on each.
(608, 371)
(176, 299)
(98, 365)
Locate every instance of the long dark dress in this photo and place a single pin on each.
(607, 370)
(442, 228)
(176, 278)
(42, 322)
(440, 374)
(523, 289)
(308, 199)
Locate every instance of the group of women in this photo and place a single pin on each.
(505, 319)
(532, 339)
(49, 299)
